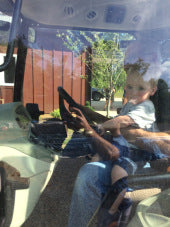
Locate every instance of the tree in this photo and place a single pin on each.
(106, 57)
(108, 72)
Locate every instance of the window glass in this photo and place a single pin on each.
(85, 111)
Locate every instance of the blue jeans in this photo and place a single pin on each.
(93, 181)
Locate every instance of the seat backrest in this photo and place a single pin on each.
(32, 107)
(161, 101)
(33, 110)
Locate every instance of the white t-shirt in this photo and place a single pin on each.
(143, 114)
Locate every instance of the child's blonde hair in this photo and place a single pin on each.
(144, 57)
(140, 68)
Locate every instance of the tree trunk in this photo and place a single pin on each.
(108, 106)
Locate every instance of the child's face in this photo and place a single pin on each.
(138, 90)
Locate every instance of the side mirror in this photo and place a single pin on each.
(4, 26)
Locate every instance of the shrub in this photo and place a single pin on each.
(87, 104)
(56, 113)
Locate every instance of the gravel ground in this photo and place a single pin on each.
(53, 207)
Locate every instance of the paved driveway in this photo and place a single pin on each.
(98, 106)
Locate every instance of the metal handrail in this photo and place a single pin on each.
(12, 35)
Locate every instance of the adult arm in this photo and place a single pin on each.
(138, 136)
(114, 125)
(104, 148)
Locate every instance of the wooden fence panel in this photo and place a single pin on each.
(67, 71)
(57, 64)
(38, 80)
(46, 70)
(48, 81)
(6, 94)
(77, 70)
(28, 79)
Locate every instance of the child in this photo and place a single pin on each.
(139, 112)
(143, 69)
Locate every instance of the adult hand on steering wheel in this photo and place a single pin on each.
(79, 119)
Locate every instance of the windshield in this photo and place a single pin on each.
(88, 83)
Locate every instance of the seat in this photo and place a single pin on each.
(153, 211)
(34, 111)
(50, 133)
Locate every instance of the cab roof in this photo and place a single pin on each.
(123, 15)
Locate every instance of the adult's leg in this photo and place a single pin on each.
(92, 182)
